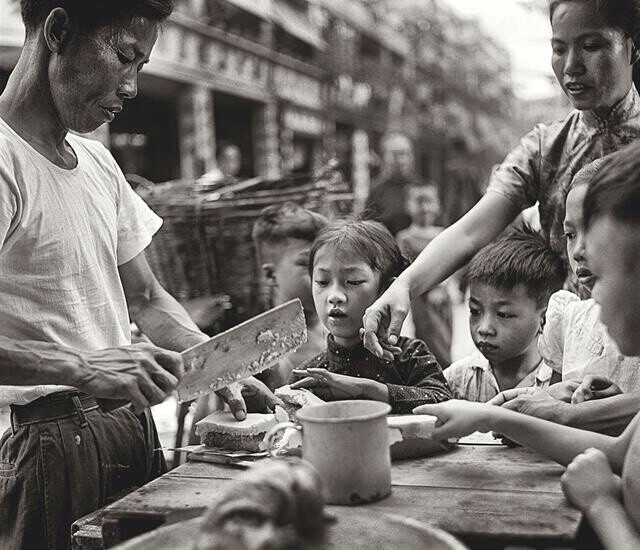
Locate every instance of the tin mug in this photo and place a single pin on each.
(348, 443)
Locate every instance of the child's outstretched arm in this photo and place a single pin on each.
(591, 486)
(558, 442)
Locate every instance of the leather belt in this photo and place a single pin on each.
(55, 406)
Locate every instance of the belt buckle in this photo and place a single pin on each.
(79, 410)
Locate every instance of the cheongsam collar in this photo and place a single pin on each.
(625, 109)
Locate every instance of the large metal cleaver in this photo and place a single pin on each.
(244, 350)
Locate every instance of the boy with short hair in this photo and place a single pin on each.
(432, 313)
(282, 235)
(510, 282)
(591, 482)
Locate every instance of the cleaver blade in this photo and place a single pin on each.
(241, 351)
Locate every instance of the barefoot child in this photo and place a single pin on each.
(351, 264)
(591, 482)
(510, 282)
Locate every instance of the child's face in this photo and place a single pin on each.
(286, 266)
(503, 323)
(612, 248)
(575, 236)
(423, 205)
(343, 287)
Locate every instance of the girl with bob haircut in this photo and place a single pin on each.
(351, 264)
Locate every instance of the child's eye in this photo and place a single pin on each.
(321, 282)
(355, 283)
(569, 235)
(474, 310)
(504, 315)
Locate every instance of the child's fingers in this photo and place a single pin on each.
(308, 382)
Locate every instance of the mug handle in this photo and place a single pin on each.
(268, 439)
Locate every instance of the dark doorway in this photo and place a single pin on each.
(235, 122)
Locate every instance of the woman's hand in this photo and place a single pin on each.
(329, 385)
(594, 386)
(382, 321)
(456, 418)
(589, 479)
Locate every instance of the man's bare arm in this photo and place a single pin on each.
(158, 314)
(142, 374)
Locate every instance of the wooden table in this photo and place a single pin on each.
(485, 495)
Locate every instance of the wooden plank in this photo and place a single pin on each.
(464, 467)
(472, 514)
(480, 493)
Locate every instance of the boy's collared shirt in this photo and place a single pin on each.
(414, 378)
(472, 378)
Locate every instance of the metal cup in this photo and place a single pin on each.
(348, 443)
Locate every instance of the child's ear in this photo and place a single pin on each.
(269, 272)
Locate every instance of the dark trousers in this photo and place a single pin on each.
(54, 471)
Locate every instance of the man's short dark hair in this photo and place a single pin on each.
(522, 257)
(288, 220)
(94, 14)
(614, 190)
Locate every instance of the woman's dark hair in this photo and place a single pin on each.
(620, 14)
(614, 191)
(363, 239)
(94, 14)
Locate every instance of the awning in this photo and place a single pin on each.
(297, 25)
(359, 17)
(261, 8)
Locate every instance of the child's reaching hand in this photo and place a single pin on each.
(331, 386)
(589, 479)
(456, 418)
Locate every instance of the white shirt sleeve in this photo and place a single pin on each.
(137, 223)
(551, 341)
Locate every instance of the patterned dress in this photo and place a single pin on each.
(413, 378)
(541, 167)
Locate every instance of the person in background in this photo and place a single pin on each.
(386, 202)
(350, 264)
(602, 471)
(510, 282)
(595, 49)
(229, 160)
(73, 271)
(228, 164)
(283, 235)
(432, 313)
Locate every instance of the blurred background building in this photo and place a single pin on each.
(293, 83)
